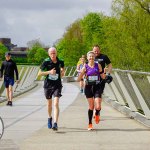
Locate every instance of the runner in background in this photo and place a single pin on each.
(79, 67)
(8, 68)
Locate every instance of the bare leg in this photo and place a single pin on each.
(91, 103)
(56, 109)
(98, 102)
(81, 84)
(7, 94)
(10, 93)
(49, 108)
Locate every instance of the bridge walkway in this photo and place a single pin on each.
(25, 125)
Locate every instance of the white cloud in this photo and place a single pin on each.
(23, 21)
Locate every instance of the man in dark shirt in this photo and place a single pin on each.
(8, 68)
(104, 61)
(53, 69)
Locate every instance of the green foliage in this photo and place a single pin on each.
(91, 26)
(19, 60)
(31, 52)
(70, 48)
(133, 19)
(40, 55)
(36, 54)
(3, 50)
(124, 36)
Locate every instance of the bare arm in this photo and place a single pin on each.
(109, 70)
(78, 69)
(45, 73)
(100, 70)
(82, 73)
(62, 70)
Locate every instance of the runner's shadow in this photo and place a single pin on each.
(65, 130)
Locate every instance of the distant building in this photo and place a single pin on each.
(19, 52)
(7, 43)
(14, 50)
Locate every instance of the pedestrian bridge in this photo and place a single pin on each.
(125, 114)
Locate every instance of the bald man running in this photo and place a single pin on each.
(53, 69)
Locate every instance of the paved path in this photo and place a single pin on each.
(115, 131)
(29, 113)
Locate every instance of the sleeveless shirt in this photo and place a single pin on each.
(94, 72)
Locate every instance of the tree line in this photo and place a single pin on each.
(124, 36)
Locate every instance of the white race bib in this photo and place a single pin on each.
(92, 78)
(53, 77)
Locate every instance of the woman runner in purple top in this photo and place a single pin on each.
(93, 91)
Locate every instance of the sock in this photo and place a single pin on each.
(90, 114)
(97, 112)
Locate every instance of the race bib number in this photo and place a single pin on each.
(53, 77)
(93, 78)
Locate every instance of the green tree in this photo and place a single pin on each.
(40, 55)
(92, 30)
(3, 50)
(71, 46)
(134, 23)
(30, 54)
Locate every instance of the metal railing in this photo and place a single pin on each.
(27, 75)
(131, 89)
(128, 88)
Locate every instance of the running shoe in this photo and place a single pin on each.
(55, 127)
(97, 119)
(81, 90)
(90, 127)
(10, 103)
(49, 123)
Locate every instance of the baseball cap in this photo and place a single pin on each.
(7, 54)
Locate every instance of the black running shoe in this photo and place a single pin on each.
(10, 103)
(55, 127)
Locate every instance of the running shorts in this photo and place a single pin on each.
(93, 91)
(8, 81)
(53, 91)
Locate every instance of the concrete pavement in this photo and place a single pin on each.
(29, 114)
(115, 131)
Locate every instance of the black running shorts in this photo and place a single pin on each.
(93, 91)
(49, 92)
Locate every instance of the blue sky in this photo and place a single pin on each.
(46, 20)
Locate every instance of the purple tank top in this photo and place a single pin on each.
(92, 71)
